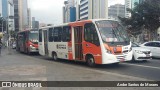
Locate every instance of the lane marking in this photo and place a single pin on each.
(141, 66)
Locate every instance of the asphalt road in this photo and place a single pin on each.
(18, 66)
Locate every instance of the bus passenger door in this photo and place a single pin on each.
(45, 42)
(40, 43)
(78, 42)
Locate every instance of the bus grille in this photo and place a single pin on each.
(120, 57)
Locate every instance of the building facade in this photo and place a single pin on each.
(127, 5)
(21, 15)
(7, 12)
(16, 15)
(35, 24)
(69, 11)
(29, 18)
(116, 10)
(93, 9)
(0, 8)
(131, 4)
(77, 5)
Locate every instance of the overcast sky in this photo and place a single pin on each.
(50, 11)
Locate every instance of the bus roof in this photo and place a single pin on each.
(76, 23)
(28, 30)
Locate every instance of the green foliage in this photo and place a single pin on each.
(145, 15)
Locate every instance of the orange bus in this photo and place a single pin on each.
(27, 41)
(96, 41)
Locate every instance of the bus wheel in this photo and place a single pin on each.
(54, 55)
(90, 61)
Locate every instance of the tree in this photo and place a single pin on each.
(144, 15)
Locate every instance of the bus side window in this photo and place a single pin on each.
(57, 34)
(90, 34)
(66, 34)
(50, 34)
(40, 35)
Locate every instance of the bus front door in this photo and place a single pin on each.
(78, 42)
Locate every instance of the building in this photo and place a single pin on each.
(7, 24)
(0, 8)
(21, 15)
(35, 24)
(93, 9)
(29, 18)
(16, 15)
(77, 5)
(116, 10)
(69, 11)
(7, 12)
(131, 4)
(128, 5)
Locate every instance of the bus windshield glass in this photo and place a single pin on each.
(33, 36)
(112, 31)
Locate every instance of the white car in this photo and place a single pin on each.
(154, 46)
(140, 53)
(14, 45)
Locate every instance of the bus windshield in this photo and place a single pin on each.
(112, 31)
(33, 36)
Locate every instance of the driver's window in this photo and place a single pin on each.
(90, 34)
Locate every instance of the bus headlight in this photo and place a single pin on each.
(32, 47)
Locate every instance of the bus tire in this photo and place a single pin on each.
(54, 56)
(90, 61)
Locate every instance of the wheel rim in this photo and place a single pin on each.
(91, 61)
(54, 56)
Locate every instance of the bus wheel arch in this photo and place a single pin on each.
(54, 56)
(90, 60)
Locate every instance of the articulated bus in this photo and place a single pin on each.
(27, 41)
(91, 41)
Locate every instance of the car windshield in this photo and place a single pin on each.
(135, 45)
(112, 31)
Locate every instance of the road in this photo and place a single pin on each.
(16, 66)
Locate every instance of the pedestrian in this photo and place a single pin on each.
(0, 46)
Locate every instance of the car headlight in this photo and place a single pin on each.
(137, 51)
